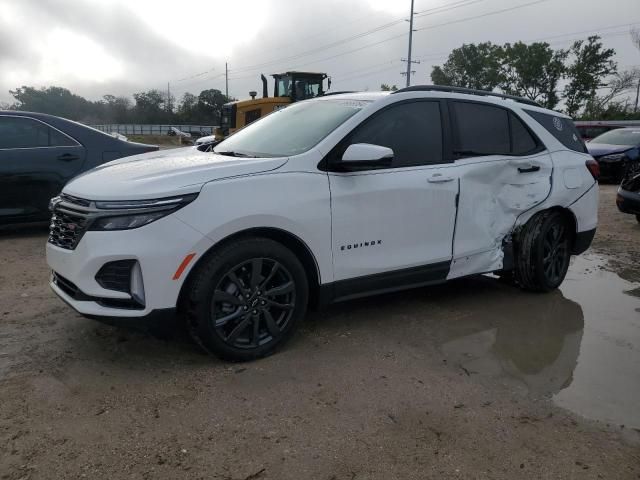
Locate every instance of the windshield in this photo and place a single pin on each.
(621, 136)
(290, 131)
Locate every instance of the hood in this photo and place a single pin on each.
(162, 174)
(599, 149)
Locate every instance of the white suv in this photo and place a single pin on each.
(328, 199)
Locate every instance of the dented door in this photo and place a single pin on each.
(494, 191)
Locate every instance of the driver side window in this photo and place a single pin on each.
(412, 130)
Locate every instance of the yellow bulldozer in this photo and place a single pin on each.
(289, 87)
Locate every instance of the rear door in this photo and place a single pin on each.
(36, 161)
(399, 219)
(504, 171)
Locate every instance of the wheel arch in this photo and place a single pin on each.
(294, 243)
(567, 214)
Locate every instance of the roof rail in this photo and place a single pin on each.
(468, 91)
(338, 93)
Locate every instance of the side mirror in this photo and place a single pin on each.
(366, 156)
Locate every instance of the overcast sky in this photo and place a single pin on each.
(97, 47)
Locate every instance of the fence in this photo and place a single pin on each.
(148, 129)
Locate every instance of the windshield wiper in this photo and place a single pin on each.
(230, 153)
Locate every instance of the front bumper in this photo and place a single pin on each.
(628, 202)
(159, 248)
(611, 170)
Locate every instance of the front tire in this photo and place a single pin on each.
(246, 299)
(543, 252)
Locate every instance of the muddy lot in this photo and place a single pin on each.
(474, 379)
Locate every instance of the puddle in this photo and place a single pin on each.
(580, 346)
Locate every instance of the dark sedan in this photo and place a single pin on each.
(628, 199)
(40, 153)
(616, 151)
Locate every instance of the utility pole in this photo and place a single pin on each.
(635, 109)
(408, 59)
(168, 97)
(226, 80)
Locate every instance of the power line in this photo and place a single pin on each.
(433, 11)
(443, 55)
(475, 17)
(403, 35)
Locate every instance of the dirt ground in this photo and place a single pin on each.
(463, 380)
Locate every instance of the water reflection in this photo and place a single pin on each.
(580, 345)
(537, 346)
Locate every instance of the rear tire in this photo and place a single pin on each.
(543, 252)
(638, 218)
(246, 299)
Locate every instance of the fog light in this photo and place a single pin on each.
(137, 286)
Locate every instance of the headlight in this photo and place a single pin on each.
(126, 215)
(614, 157)
(126, 222)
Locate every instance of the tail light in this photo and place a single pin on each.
(594, 168)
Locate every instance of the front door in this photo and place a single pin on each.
(394, 227)
(36, 161)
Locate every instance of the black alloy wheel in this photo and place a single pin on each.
(245, 298)
(253, 303)
(556, 255)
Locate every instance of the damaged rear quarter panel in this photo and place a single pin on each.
(570, 183)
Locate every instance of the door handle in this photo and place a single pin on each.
(439, 178)
(529, 169)
(67, 157)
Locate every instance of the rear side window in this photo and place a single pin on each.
(561, 128)
(412, 130)
(481, 129)
(487, 130)
(23, 132)
(522, 142)
(20, 132)
(58, 139)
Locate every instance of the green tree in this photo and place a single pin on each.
(188, 108)
(386, 88)
(210, 105)
(590, 65)
(116, 109)
(532, 71)
(150, 107)
(607, 104)
(53, 100)
(471, 66)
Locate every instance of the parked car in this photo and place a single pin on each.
(329, 199)
(174, 131)
(590, 129)
(206, 140)
(628, 198)
(616, 151)
(40, 153)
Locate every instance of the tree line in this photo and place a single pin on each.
(582, 80)
(152, 106)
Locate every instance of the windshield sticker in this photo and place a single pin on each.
(557, 122)
(352, 103)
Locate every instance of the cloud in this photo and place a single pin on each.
(94, 47)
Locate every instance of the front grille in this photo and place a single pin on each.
(69, 221)
(116, 275)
